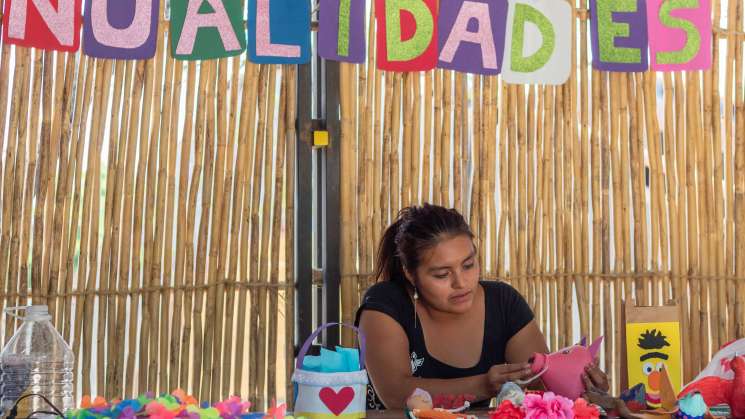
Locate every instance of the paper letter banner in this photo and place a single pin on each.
(407, 34)
(680, 34)
(206, 29)
(279, 31)
(619, 35)
(653, 342)
(341, 30)
(121, 29)
(44, 24)
(471, 35)
(538, 45)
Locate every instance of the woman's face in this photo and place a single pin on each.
(448, 275)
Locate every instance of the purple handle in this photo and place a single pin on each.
(312, 337)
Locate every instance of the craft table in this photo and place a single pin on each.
(399, 414)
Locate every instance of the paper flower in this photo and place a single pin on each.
(177, 405)
(186, 414)
(126, 408)
(127, 413)
(156, 410)
(548, 406)
(507, 410)
(99, 403)
(275, 411)
(584, 410)
(80, 414)
(209, 413)
(171, 403)
(184, 398)
(232, 408)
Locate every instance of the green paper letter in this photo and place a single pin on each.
(523, 14)
(343, 39)
(398, 49)
(693, 43)
(608, 31)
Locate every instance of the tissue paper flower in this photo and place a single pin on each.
(177, 405)
(584, 410)
(85, 402)
(183, 397)
(155, 410)
(548, 406)
(170, 402)
(232, 408)
(126, 409)
(208, 413)
(507, 410)
(276, 412)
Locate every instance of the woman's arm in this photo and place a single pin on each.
(525, 343)
(389, 366)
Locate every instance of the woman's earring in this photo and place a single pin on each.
(416, 297)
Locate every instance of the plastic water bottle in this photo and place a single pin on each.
(36, 360)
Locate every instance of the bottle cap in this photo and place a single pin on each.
(36, 313)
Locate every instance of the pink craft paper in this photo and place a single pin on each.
(561, 371)
(278, 31)
(471, 35)
(121, 29)
(264, 45)
(663, 38)
(194, 21)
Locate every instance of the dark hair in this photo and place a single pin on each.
(653, 340)
(416, 229)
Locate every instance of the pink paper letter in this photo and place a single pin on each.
(264, 44)
(60, 21)
(194, 20)
(460, 33)
(133, 36)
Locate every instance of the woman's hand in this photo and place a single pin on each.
(500, 374)
(594, 378)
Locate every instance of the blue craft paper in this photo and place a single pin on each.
(332, 361)
(351, 358)
(341, 360)
(289, 23)
(312, 363)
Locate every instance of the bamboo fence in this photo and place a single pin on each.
(612, 187)
(148, 204)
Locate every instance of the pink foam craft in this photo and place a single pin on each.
(561, 371)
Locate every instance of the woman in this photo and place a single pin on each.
(430, 322)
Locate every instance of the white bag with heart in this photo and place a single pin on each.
(330, 395)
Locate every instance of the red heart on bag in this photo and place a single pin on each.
(336, 401)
